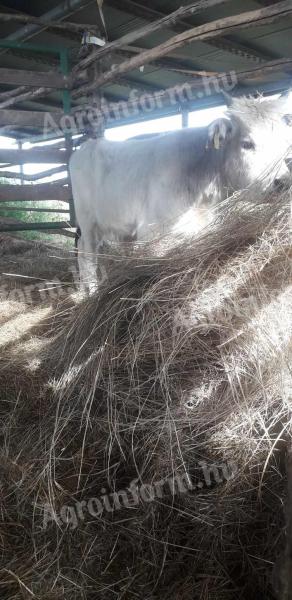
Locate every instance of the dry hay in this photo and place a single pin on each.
(180, 359)
(25, 263)
(34, 277)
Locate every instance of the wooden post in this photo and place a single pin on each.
(21, 171)
(97, 97)
(67, 105)
(69, 149)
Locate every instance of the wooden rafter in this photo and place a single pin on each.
(150, 14)
(11, 93)
(134, 83)
(34, 78)
(25, 93)
(198, 89)
(171, 63)
(36, 119)
(25, 96)
(161, 23)
(58, 25)
(31, 119)
(202, 32)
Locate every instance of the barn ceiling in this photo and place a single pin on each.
(242, 51)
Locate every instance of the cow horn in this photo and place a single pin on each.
(228, 99)
(286, 94)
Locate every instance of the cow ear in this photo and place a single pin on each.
(286, 94)
(287, 120)
(220, 132)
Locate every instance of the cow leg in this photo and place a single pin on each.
(87, 261)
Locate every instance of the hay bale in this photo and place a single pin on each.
(143, 445)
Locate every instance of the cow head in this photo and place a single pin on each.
(254, 138)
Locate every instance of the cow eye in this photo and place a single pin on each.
(247, 145)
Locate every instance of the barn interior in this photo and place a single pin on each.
(113, 62)
(146, 430)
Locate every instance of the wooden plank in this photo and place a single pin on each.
(26, 209)
(65, 232)
(28, 95)
(133, 36)
(21, 226)
(39, 155)
(25, 118)
(207, 31)
(41, 192)
(34, 78)
(36, 176)
(63, 26)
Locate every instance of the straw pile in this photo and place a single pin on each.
(145, 442)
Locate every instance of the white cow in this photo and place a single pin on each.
(122, 190)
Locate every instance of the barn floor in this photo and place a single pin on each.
(145, 430)
(34, 278)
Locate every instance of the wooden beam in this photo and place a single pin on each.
(171, 63)
(161, 23)
(21, 226)
(186, 67)
(216, 28)
(33, 119)
(37, 103)
(36, 177)
(34, 78)
(134, 83)
(231, 46)
(33, 209)
(30, 20)
(38, 155)
(136, 9)
(266, 2)
(24, 93)
(49, 173)
(25, 96)
(26, 193)
(65, 232)
(197, 89)
(11, 93)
